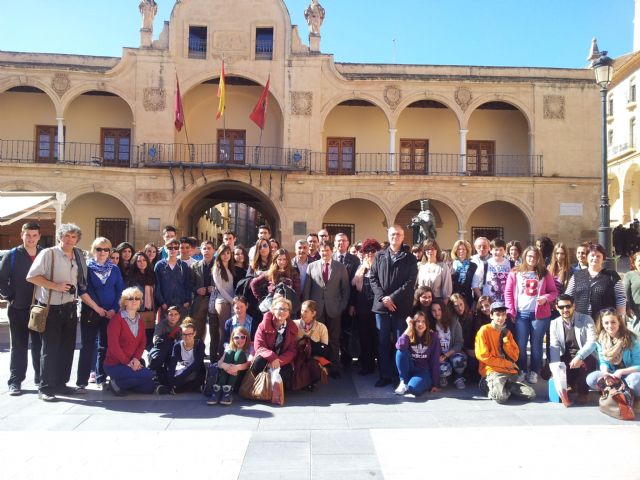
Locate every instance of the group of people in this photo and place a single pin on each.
(626, 240)
(423, 318)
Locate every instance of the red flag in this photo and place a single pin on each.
(179, 112)
(221, 95)
(259, 114)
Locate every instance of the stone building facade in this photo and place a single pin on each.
(498, 150)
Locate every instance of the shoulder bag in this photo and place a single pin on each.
(38, 313)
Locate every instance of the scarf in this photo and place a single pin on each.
(611, 348)
(461, 268)
(101, 270)
(279, 338)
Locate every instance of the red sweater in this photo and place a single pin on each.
(122, 345)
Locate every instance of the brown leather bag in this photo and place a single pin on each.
(38, 313)
(257, 387)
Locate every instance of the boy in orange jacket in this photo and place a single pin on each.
(497, 353)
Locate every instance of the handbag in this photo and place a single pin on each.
(149, 319)
(38, 313)
(257, 387)
(616, 399)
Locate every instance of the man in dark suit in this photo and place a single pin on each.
(327, 284)
(351, 262)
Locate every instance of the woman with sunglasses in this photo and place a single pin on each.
(231, 368)
(596, 287)
(618, 351)
(126, 340)
(99, 304)
(261, 260)
(276, 341)
(142, 277)
(185, 372)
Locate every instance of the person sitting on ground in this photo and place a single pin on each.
(231, 368)
(313, 346)
(185, 372)
(497, 353)
(276, 340)
(618, 351)
(572, 338)
(166, 333)
(459, 310)
(453, 361)
(422, 300)
(418, 357)
(126, 340)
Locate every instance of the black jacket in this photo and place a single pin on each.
(395, 279)
(13, 284)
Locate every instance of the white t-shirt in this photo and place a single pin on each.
(497, 274)
(444, 337)
(528, 287)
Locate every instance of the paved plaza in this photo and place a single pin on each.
(346, 429)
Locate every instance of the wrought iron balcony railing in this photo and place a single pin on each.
(236, 155)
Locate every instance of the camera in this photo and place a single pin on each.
(72, 289)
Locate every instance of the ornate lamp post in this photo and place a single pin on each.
(602, 67)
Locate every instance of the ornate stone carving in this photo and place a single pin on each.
(463, 97)
(154, 99)
(152, 197)
(301, 103)
(60, 83)
(392, 95)
(554, 107)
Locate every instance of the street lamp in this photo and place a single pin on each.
(602, 67)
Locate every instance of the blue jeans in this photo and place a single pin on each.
(93, 334)
(388, 325)
(528, 329)
(418, 380)
(633, 380)
(140, 381)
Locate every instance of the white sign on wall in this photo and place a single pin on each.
(571, 209)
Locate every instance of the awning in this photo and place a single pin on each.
(15, 206)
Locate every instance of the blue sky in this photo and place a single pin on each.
(552, 33)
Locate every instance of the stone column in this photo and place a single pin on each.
(60, 134)
(626, 207)
(461, 234)
(392, 149)
(314, 43)
(463, 152)
(532, 160)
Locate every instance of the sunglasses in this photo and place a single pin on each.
(264, 245)
(565, 307)
(240, 337)
(173, 248)
(134, 298)
(100, 249)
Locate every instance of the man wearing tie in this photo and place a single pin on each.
(328, 285)
(351, 263)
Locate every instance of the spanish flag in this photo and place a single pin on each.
(221, 94)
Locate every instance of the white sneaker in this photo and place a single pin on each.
(459, 383)
(532, 377)
(520, 377)
(92, 377)
(402, 388)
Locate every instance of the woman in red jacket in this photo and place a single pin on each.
(529, 294)
(126, 339)
(275, 341)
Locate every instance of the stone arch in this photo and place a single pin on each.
(507, 218)
(481, 199)
(73, 93)
(232, 190)
(414, 97)
(616, 200)
(12, 82)
(77, 192)
(84, 209)
(499, 97)
(365, 214)
(631, 193)
(336, 197)
(333, 102)
(233, 71)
